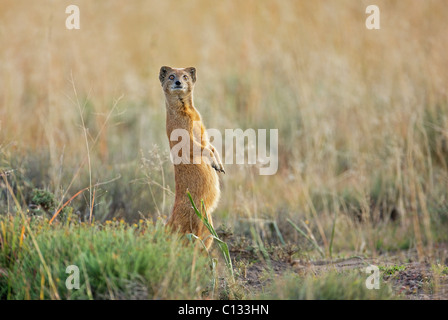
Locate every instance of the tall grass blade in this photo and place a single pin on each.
(314, 243)
(221, 244)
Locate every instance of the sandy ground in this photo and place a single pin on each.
(409, 277)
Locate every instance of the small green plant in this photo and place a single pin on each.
(439, 269)
(42, 199)
(391, 270)
(221, 244)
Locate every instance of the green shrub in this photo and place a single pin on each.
(115, 260)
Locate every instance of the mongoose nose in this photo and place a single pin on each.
(177, 83)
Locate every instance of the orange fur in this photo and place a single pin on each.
(200, 179)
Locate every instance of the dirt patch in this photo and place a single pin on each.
(318, 267)
(419, 281)
(409, 278)
(260, 274)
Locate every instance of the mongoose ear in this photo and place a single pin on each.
(163, 72)
(192, 72)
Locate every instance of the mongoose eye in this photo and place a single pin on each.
(185, 77)
(171, 77)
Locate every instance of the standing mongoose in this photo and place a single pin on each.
(197, 173)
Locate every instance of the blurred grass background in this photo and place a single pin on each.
(362, 114)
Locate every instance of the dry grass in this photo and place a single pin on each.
(362, 115)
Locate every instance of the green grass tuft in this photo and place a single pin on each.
(116, 261)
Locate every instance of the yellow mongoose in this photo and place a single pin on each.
(198, 174)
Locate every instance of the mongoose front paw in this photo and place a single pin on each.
(218, 167)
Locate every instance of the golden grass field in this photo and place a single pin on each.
(362, 114)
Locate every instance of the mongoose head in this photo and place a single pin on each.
(177, 81)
